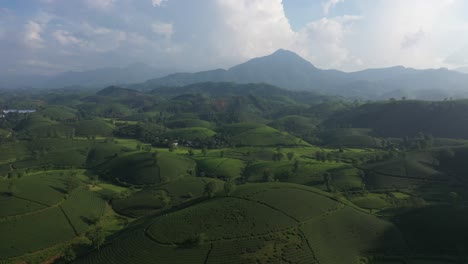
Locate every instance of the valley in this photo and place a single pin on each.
(231, 173)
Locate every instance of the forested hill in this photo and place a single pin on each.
(407, 118)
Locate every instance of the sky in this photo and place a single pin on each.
(51, 36)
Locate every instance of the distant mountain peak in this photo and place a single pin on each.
(284, 52)
(280, 57)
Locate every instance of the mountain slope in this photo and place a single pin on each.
(288, 70)
(282, 68)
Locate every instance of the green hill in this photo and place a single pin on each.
(258, 223)
(186, 123)
(95, 127)
(408, 118)
(191, 134)
(354, 137)
(152, 199)
(147, 168)
(259, 135)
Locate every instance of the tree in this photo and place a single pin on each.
(204, 151)
(195, 241)
(327, 178)
(96, 236)
(229, 187)
(296, 165)
(268, 176)
(163, 197)
(69, 254)
(155, 156)
(71, 183)
(210, 189)
(172, 148)
(11, 188)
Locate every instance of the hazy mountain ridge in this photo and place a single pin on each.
(282, 68)
(288, 70)
(99, 77)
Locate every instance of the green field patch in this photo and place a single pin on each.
(222, 218)
(58, 112)
(265, 136)
(224, 168)
(12, 151)
(356, 137)
(150, 199)
(43, 188)
(346, 178)
(298, 203)
(21, 235)
(296, 124)
(139, 203)
(148, 168)
(283, 247)
(82, 208)
(371, 201)
(139, 248)
(103, 152)
(400, 195)
(188, 187)
(14, 206)
(76, 158)
(94, 127)
(186, 123)
(346, 235)
(191, 133)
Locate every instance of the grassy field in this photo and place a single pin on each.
(190, 133)
(83, 208)
(186, 123)
(348, 235)
(33, 232)
(229, 218)
(148, 168)
(258, 223)
(223, 168)
(45, 188)
(95, 127)
(12, 206)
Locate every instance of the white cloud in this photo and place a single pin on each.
(32, 35)
(100, 4)
(250, 28)
(220, 33)
(412, 39)
(329, 4)
(322, 42)
(66, 38)
(158, 2)
(163, 29)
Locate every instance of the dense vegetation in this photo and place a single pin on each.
(231, 173)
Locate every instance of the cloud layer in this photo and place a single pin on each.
(83, 34)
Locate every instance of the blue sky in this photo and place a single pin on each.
(49, 36)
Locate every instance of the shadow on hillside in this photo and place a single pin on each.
(429, 231)
(58, 189)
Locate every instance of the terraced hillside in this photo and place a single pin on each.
(257, 223)
(38, 212)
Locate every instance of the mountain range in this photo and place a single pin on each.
(288, 70)
(100, 77)
(282, 68)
